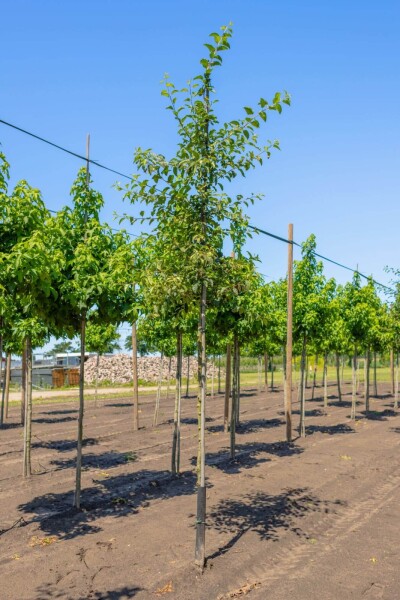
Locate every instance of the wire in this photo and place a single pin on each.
(101, 166)
(93, 162)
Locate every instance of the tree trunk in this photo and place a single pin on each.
(23, 386)
(338, 376)
(169, 376)
(176, 440)
(259, 374)
(366, 391)
(234, 397)
(7, 388)
(314, 377)
(219, 374)
(187, 377)
(135, 379)
(158, 395)
(97, 379)
(302, 426)
(78, 481)
(238, 385)
(354, 385)
(212, 376)
(227, 387)
(392, 370)
(396, 384)
(266, 370)
(201, 492)
(272, 373)
(375, 378)
(2, 378)
(28, 410)
(325, 381)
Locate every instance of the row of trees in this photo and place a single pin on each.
(69, 274)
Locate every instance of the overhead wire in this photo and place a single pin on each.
(250, 226)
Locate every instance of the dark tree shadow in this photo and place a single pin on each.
(67, 411)
(63, 445)
(266, 515)
(340, 403)
(50, 420)
(50, 591)
(117, 496)
(249, 426)
(395, 429)
(329, 429)
(107, 460)
(315, 412)
(10, 425)
(374, 415)
(119, 404)
(248, 456)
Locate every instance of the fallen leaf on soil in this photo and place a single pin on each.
(345, 457)
(167, 589)
(46, 541)
(16, 556)
(312, 541)
(104, 474)
(373, 560)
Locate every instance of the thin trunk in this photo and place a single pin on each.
(238, 385)
(2, 378)
(234, 397)
(78, 481)
(28, 410)
(201, 492)
(289, 339)
(271, 362)
(396, 384)
(259, 374)
(158, 395)
(338, 376)
(357, 376)
(306, 383)
(266, 370)
(354, 385)
(169, 376)
(392, 377)
(219, 374)
(187, 376)
(375, 378)
(97, 379)
(227, 387)
(302, 426)
(23, 386)
(212, 376)
(315, 376)
(366, 390)
(343, 363)
(7, 389)
(135, 379)
(176, 440)
(325, 381)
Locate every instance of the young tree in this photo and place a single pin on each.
(187, 197)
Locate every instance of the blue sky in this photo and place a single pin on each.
(76, 67)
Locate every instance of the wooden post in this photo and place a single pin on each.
(289, 339)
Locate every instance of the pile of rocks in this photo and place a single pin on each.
(118, 368)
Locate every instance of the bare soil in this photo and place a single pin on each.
(316, 519)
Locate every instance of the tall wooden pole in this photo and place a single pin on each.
(289, 340)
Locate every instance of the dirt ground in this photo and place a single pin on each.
(317, 519)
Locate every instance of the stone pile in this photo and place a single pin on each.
(118, 368)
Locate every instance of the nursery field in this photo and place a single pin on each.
(315, 519)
